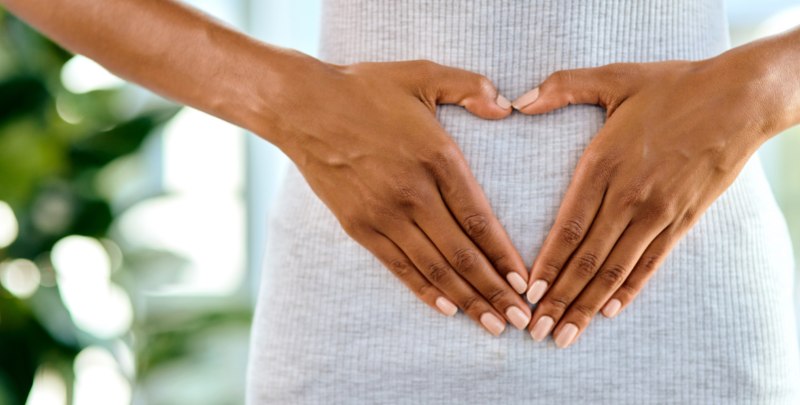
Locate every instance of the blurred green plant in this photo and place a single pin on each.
(48, 175)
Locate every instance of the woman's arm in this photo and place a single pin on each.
(677, 135)
(364, 136)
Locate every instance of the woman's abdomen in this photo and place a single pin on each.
(714, 325)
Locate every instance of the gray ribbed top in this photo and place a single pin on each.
(715, 325)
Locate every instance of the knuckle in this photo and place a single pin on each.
(628, 290)
(496, 295)
(558, 303)
(476, 225)
(401, 268)
(353, 225)
(424, 288)
(437, 272)
(551, 271)
(406, 196)
(502, 263)
(425, 70)
(440, 161)
(469, 302)
(571, 231)
(689, 216)
(657, 208)
(634, 195)
(466, 260)
(581, 312)
(612, 275)
(559, 78)
(484, 84)
(650, 263)
(586, 265)
(600, 165)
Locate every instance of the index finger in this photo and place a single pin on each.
(465, 199)
(574, 218)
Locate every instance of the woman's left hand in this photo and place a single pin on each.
(677, 135)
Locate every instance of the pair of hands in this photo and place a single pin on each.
(677, 134)
(367, 141)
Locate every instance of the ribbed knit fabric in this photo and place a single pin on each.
(715, 325)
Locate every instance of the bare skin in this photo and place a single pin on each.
(364, 136)
(676, 137)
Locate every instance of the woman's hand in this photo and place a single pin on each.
(364, 136)
(677, 135)
(366, 139)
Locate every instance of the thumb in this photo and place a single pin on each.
(470, 90)
(606, 86)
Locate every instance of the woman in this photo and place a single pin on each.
(661, 175)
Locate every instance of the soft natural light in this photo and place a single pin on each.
(48, 388)
(82, 75)
(20, 277)
(8, 225)
(97, 305)
(784, 20)
(202, 219)
(98, 380)
(209, 232)
(82, 260)
(202, 155)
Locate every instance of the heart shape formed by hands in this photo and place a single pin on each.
(400, 186)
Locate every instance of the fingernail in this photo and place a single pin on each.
(517, 317)
(503, 102)
(537, 291)
(611, 308)
(526, 99)
(446, 306)
(492, 324)
(542, 328)
(565, 335)
(517, 282)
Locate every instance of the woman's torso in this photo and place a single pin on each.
(714, 325)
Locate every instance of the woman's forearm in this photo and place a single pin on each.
(771, 67)
(174, 50)
(364, 136)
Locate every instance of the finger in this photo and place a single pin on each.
(466, 202)
(576, 214)
(614, 271)
(606, 86)
(579, 271)
(398, 263)
(438, 84)
(473, 91)
(469, 262)
(438, 271)
(648, 263)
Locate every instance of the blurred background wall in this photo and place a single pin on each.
(131, 229)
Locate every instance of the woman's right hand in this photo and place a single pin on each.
(366, 139)
(364, 136)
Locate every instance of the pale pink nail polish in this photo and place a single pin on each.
(517, 282)
(542, 328)
(537, 291)
(517, 317)
(565, 335)
(446, 306)
(492, 324)
(611, 308)
(526, 99)
(503, 102)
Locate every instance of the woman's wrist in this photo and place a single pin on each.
(768, 73)
(266, 95)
